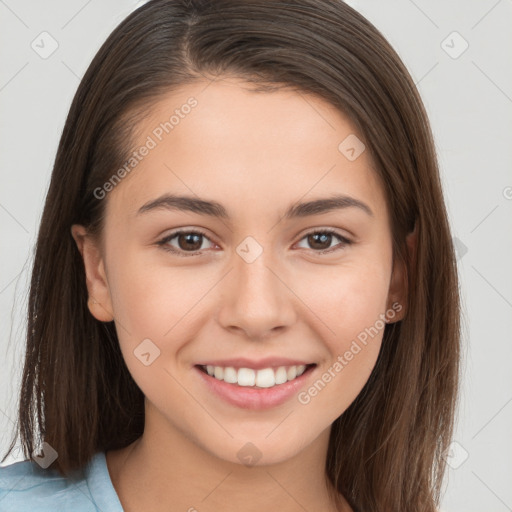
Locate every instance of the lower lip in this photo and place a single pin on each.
(247, 397)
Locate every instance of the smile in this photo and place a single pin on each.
(248, 377)
(255, 384)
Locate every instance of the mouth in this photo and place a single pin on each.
(254, 389)
(263, 378)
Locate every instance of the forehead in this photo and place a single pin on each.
(253, 151)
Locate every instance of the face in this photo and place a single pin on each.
(250, 291)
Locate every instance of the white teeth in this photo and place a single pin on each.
(281, 375)
(264, 378)
(230, 375)
(246, 377)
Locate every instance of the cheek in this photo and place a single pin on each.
(152, 312)
(159, 304)
(349, 299)
(351, 308)
(149, 299)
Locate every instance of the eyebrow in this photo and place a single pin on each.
(215, 209)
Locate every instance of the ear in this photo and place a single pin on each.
(398, 291)
(100, 302)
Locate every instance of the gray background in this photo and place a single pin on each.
(468, 95)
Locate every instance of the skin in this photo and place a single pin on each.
(256, 153)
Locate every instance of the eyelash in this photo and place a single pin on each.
(163, 243)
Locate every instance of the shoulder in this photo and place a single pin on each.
(26, 486)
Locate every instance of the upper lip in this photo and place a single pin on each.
(267, 362)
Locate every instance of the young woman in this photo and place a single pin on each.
(244, 294)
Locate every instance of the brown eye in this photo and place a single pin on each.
(320, 241)
(187, 242)
(190, 241)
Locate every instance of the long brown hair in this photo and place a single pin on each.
(386, 450)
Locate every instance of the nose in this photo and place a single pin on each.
(256, 299)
